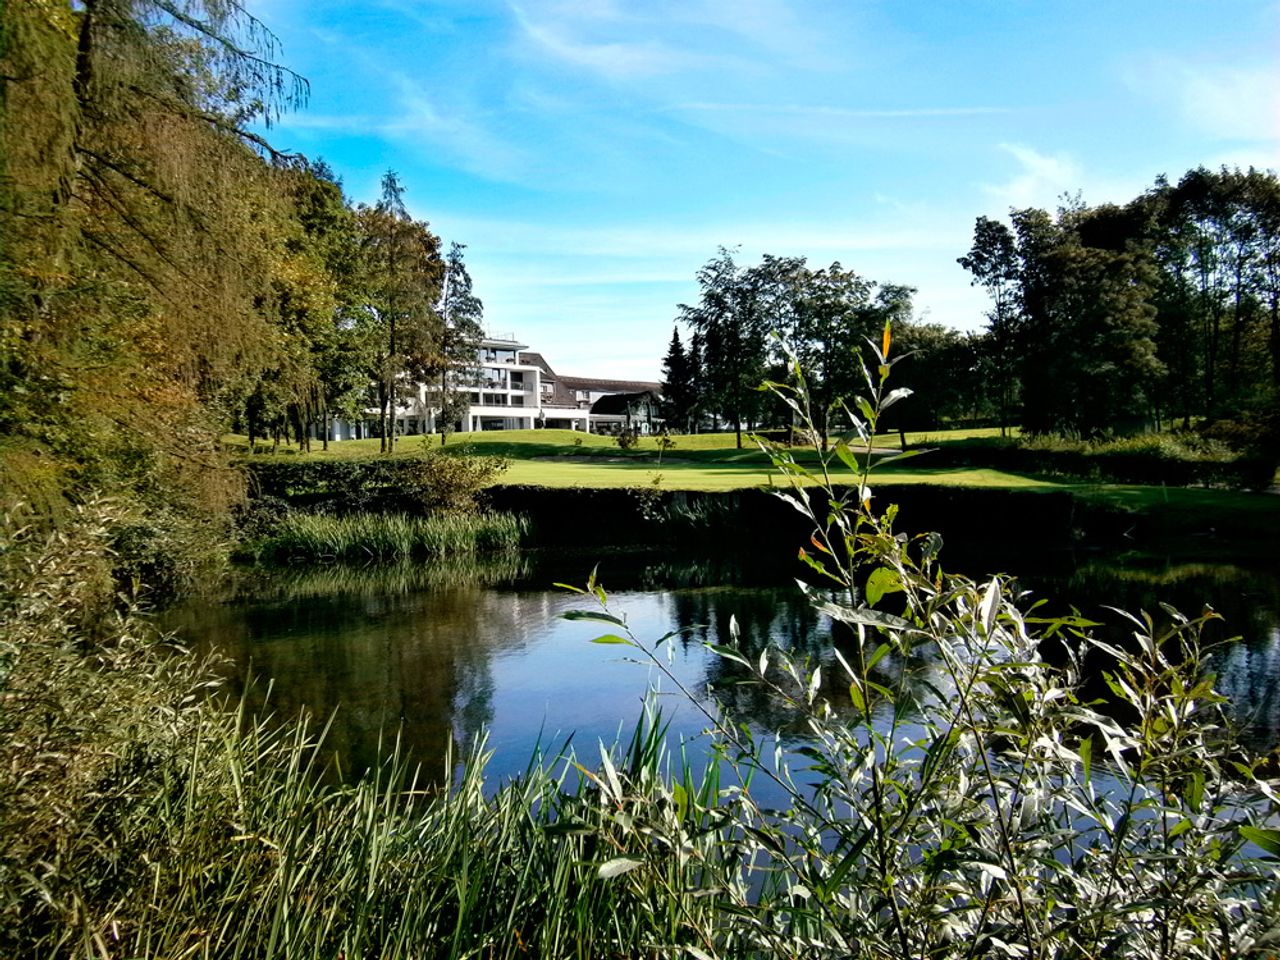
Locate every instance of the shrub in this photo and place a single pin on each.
(448, 479)
(959, 795)
(452, 482)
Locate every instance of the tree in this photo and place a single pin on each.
(461, 315)
(1085, 284)
(993, 261)
(939, 366)
(678, 388)
(141, 229)
(731, 320)
(404, 275)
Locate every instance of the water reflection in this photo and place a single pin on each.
(443, 653)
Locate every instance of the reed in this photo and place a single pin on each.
(389, 536)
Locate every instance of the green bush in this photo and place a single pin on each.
(436, 479)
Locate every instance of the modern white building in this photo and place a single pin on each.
(511, 388)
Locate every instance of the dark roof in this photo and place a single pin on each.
(596, 385)
(537, 360)
(619, 403)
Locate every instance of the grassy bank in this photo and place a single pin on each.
(1182, 518)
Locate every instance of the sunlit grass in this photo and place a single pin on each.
(532, 443)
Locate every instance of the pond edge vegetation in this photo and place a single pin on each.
(1003, 815)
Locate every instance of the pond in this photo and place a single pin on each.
(447, 654)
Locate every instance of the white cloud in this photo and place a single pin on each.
(643, 240)
(613, 59)
(1040, 182)
(1233, 103)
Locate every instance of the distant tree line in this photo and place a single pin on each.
(166, 275)
(1164, 311)
(746, 314)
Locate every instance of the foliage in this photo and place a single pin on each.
(824, 313)
(681, 386)
(993, 261)
(1165, 308)
(732, 319)
(404, 273)
(628, 438)
(141, 230)
(434, 479)
(998, 813)
(143, 818)
(461, 313)
(1163, 459)
(452, 482)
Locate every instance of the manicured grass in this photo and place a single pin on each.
(533, 443)
(756, 472)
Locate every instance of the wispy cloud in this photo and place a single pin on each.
(683, 240)
(1237, 102)
(414, 120)
(845, 113)
(1233, 103)
(1041, 179)
(613, 59)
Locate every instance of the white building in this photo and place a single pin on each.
(511, 388)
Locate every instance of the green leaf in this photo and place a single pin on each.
(592, 616)
(617, 867)
(847, 458)
(681, 797)
(570, 587)
(1086, 756)
(728, 653)
(855, 695)
(875, 657)
(989, 606)
(814, 564)
(882, 580)
(904, 455)
(901, 393)
(867, 617)
(613, 638)
(1267, 839)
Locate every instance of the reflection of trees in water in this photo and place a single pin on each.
(1248, 600)
(378, 659)
(787, 620)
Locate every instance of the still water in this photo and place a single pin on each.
(446, 654)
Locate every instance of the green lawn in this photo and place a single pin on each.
(525, 444)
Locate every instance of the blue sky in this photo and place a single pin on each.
(593, 154)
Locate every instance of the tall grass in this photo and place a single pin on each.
(389, 536)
